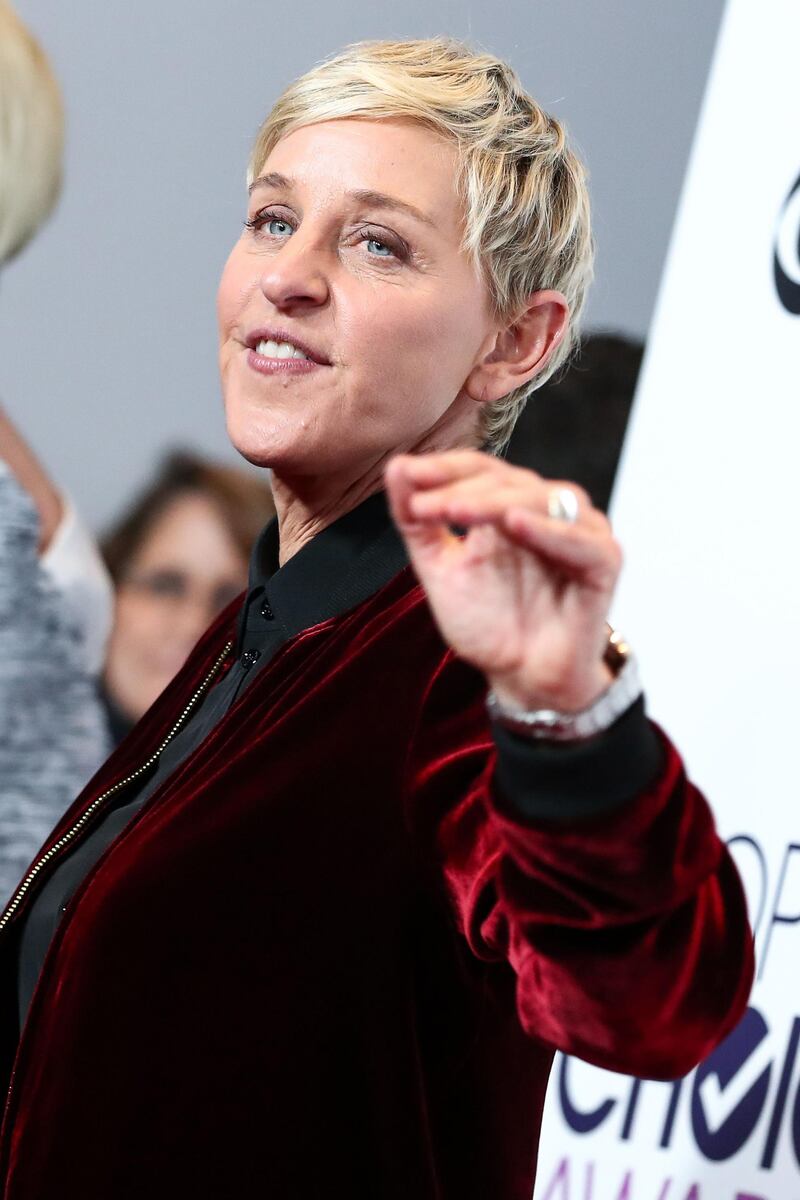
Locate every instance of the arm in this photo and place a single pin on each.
(67, 555)
(32, 477)
(593, 867)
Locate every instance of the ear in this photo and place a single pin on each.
(520, 350)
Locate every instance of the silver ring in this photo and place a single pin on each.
(562, 505)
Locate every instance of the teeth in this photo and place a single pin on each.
(271, 349)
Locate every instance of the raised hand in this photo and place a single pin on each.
(520, 595)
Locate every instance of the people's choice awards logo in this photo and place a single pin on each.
(787, 252)
(650, 1140)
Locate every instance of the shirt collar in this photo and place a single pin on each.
(345, 563)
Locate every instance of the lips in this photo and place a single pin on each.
(258, 341)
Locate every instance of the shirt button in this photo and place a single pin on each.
(249, 657)
(267, 612)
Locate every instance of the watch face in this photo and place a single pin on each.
(617, 652)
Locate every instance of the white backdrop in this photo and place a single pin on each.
(708, 510)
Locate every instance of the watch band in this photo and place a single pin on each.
(551, 725)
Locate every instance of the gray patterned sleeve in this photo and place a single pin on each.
(52, 728)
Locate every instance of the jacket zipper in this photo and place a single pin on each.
(75, 829)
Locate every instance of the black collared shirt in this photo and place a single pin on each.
(346, 563)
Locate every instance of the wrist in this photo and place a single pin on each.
(622, 688)
(571, 696)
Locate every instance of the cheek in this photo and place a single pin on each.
(418, 346)
(234, 285)
(137, 626)
(223, 298)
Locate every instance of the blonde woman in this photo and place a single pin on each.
(31, 135)
(55, 602)
(318, 927)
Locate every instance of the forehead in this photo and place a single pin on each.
(190, 533)
(401, 158)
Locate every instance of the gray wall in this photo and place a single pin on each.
(107, 336)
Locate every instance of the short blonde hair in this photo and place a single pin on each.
(31, 135)
(526, 202)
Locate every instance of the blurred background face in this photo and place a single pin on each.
(351, 255)
(184, 571)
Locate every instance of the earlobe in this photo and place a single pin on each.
(477, 387)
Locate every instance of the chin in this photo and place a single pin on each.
(257, 456)
(262, 440)
(285, 443)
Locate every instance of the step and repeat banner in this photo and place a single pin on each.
(707, 508)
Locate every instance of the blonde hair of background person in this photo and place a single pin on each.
(526, 203)
(31, 148)
(31, 135)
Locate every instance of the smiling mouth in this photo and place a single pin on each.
(282, 346)
(274, 356)
(272, 349)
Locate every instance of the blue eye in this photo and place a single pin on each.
(263, 220)
(379, 248)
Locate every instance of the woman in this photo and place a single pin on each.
(55, 596)
(177, 558)
(317, 927)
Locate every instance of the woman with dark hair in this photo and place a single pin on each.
(400, 827)
(177, 557)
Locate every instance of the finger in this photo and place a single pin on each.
(576, 549)
(434, 470)
(483, 499)
(421, 537)
(470, 502)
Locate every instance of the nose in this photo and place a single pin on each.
(295, 277)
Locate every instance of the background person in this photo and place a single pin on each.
(178, 556)
(574, 427)
(55, 596)
(319, 924)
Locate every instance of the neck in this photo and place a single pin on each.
(307, 505)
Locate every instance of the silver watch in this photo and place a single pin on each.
(547, 723)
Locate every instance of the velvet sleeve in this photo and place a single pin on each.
(597, 875)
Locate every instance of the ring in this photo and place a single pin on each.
(562, 505)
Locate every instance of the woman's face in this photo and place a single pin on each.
(185, 571)
(352, 256)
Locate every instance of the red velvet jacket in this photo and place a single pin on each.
(328, 959)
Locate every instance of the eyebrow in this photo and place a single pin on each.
(362, 196)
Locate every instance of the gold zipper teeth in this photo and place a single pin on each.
(42, 862)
